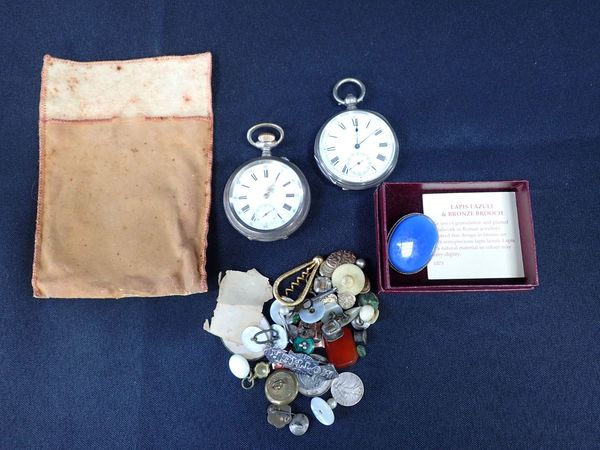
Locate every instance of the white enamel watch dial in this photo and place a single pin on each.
(267, 198)
(356, 149)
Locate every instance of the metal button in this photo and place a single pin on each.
(346, 300)
(281, 387)
(262, 369)
(299, 424)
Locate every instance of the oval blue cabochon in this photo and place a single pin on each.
(412, 243)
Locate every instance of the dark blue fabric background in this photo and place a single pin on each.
(503, 90)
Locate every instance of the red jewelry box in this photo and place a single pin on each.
(394, 200)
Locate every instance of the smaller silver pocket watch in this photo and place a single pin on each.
(267, 198)
(356, 149)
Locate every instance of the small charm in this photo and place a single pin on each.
(279, 415)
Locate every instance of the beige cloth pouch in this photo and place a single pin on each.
(125, 172)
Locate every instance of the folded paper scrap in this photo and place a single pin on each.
(239, 305)
(125, 172)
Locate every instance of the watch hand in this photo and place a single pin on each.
(372, 133)
(272, 186)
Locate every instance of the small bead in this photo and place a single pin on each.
(361, 350)
(360, 263)
(332, 403)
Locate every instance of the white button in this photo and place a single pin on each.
(278, 311)
(239, 366)
(348, 278)
(282, 339)
(312, 313)
(322, 411)
(247, 336)
(367, 313)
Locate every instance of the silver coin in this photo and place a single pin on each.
(347, 389)
(312, 386)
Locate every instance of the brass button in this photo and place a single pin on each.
(281, 387)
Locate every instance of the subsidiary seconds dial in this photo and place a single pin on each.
(356, 149)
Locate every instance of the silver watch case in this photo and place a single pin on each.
(350, 185)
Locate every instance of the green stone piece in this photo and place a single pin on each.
(361, 350)
(296, 318)
(302, 345)
(368, 299)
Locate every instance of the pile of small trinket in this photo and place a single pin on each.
(319, 326)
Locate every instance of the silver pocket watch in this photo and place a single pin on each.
(267, 198)
(356, 149)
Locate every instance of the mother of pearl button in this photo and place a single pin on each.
(348, 278)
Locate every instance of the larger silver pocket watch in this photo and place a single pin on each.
(356, 149)
(267, 198)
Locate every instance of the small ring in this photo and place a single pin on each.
(248, 382)
(359, 83)
(265, 125)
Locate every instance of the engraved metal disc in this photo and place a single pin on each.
(311, 385)
(347, 389)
